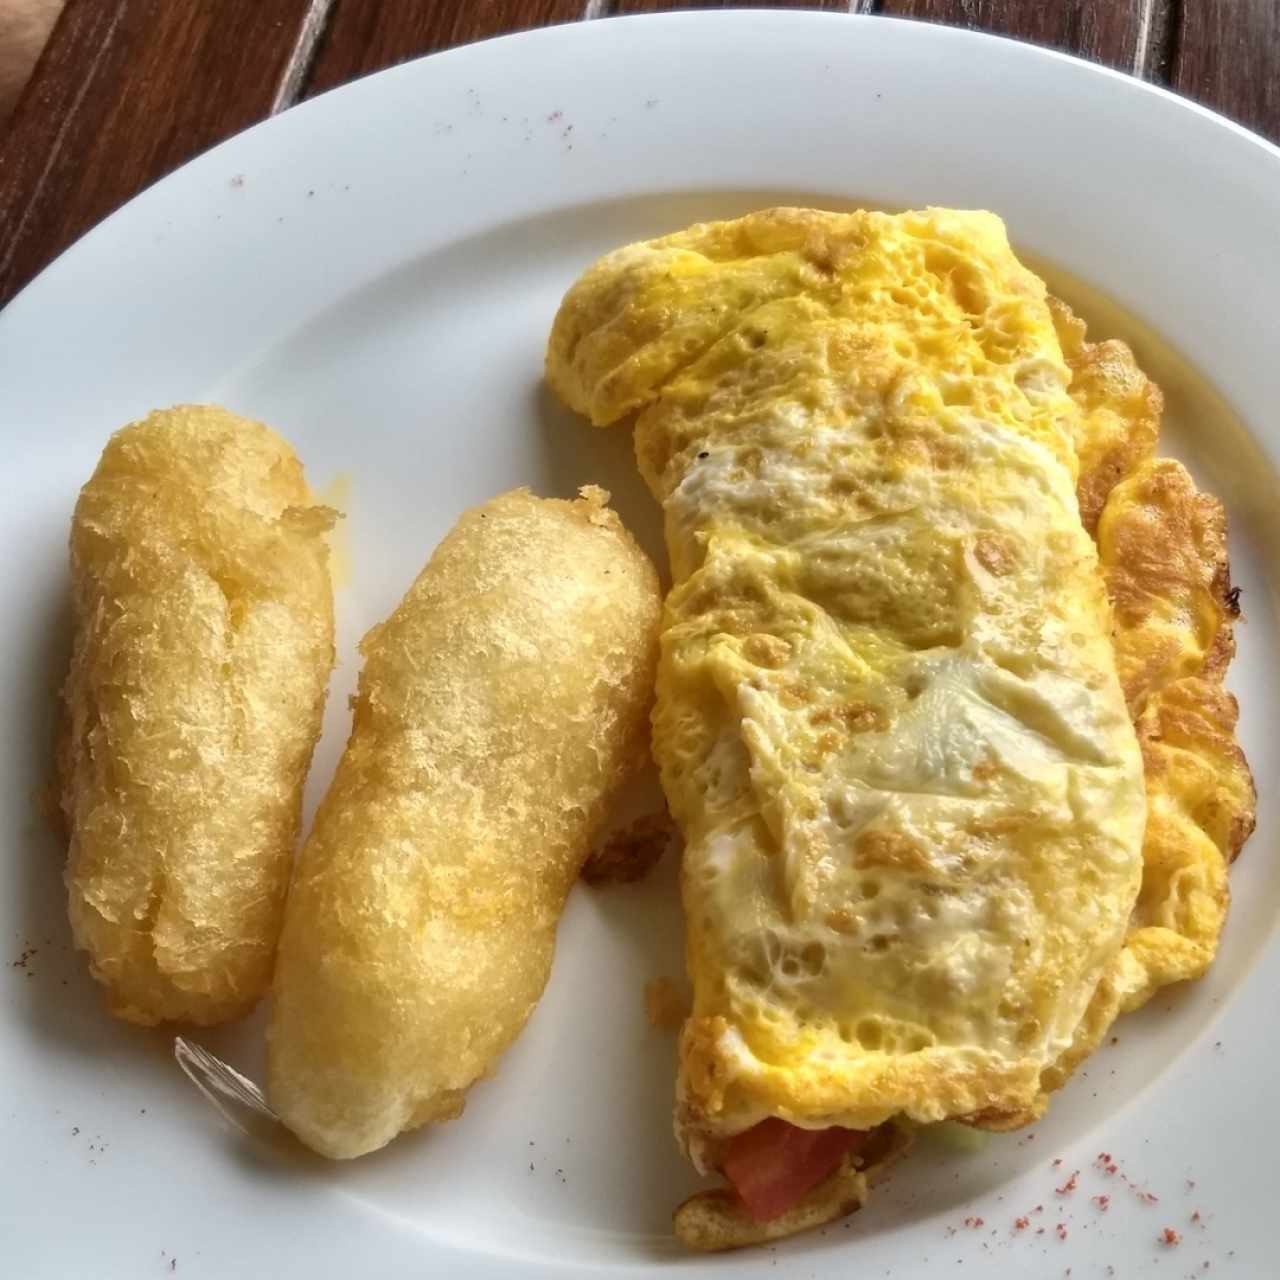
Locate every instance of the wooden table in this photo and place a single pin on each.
(129, 89)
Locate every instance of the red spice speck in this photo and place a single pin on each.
(1195, 1217)
(1057, 1164)
(1021, 1224)
(1103, 1202)
(1070, 1185)
(974, 1222)
(1147, 1197)
(1170, 1238)
(1061, 1231)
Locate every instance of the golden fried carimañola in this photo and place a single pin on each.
(889, 720)
(203, 643)
(499, 706)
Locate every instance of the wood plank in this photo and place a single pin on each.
(1226, 54)
(368, 35)
(1126, 34)
(125, 91)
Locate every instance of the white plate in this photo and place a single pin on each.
(374, 273)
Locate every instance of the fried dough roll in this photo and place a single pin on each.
(499, 706)
(203, 644)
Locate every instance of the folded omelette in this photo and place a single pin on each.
(892, 719)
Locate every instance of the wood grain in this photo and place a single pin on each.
(1125, 34)
(1226, 54)
(125, 91)
(367, 35)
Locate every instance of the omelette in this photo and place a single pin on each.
(954, 766)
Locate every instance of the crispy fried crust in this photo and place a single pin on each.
(1163, 548)
(499, 706)
(203, 644)
(713, 1221)
(1120, 411)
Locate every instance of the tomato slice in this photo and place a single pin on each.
(773, 1164)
